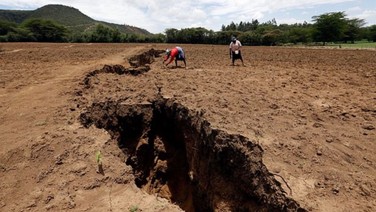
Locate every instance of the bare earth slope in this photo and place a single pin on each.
(313, 112)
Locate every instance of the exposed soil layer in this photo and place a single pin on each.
(116, 69)
(140, 64)
(144, 58)
(175, 153)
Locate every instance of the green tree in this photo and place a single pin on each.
(124, 38)
(171, 35)
(115, 36)
(224, 37)
(223, 28)
(329, 27)
(250, 38)
(372, 33)
(156, 38)
(299, 35)
(353, 29)
(77, 37)
(193, 35)
(21, 35)
(242, 26)
(101, 34)
(132, 38)
(45, 30)
(272, 37)
(254, 24)
(6, 27)
(232, 27)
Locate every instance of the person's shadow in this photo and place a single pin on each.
(178, 67)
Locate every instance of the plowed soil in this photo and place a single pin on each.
(309, 114)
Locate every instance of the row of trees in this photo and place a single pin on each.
(42, 30)
(329, 27)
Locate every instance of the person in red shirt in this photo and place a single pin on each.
(176, 53)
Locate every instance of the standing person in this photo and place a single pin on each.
(235, 50)
(176, 53)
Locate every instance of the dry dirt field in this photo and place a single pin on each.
(293, 130)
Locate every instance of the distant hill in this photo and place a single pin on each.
(70, 17)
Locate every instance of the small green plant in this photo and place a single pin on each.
(134, 208)
(98, 159)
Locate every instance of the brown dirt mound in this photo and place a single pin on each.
(139, 62)
(116, 69)
(144, 58)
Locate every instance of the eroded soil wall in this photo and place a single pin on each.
(175, 153)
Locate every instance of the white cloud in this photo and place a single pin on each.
(368, 15)
(354, 9)
(157, 15)
(291, 21)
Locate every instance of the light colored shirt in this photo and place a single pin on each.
(235, 46)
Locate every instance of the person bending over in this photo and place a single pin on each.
(176, 53)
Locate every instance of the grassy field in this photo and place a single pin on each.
(356, 45)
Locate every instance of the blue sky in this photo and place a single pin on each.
(158, 15)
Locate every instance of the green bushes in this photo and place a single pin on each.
(328, 27)
(32, 30)
(42, 30)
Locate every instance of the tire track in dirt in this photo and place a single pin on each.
(48, 95)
